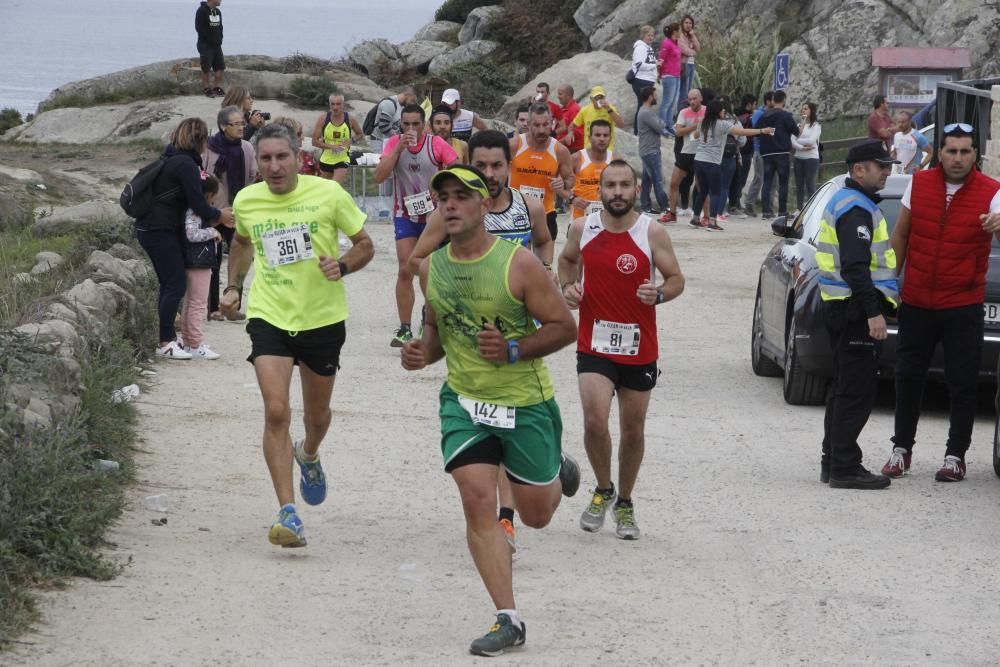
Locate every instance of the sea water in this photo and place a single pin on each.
(47, 43)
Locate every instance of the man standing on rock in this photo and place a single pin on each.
(297, 308)
(541, 167)
(493, 313)
(410, 159)
(949, 218)
(607, 270)
(208, 25)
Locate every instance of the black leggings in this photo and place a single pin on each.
(213, 287)
(167, 255)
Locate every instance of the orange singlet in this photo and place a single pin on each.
(588, 180)
(531, 170)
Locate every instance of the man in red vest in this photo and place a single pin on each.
(942, 240)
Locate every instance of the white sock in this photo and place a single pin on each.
(512, 613)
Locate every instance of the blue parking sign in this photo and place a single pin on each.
(782, 66)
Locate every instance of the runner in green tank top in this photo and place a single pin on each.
(497, 406)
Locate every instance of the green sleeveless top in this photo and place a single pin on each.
(465, 294)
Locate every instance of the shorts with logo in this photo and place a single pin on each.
(407, 229)
(211, 58)
(318, 349)
(531, 452)
(685, 161)
(637, 378)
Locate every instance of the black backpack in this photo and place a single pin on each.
(137, 196)
(368, 127)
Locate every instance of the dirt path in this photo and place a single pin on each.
(745, 557)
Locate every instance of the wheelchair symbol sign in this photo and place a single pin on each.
(782, 65)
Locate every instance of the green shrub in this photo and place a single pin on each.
(736, 64)
(535, 43)
(312, 92)
(485, 85)
(140, 91)
(458, 10)
(9, 118)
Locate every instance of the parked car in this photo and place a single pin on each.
(788, 337)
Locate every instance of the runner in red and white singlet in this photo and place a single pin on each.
(608, 270)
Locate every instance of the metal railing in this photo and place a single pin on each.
(966, 101)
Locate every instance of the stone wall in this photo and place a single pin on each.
(991, 161)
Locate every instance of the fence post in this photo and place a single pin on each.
(991, 160)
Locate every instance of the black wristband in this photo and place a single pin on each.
(230, 287)
(343, 268)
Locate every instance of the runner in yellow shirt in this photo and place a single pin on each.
(297, 307)
(599, 108)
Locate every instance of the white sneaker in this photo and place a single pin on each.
(172, 351)
(684, 212)
(202, 352)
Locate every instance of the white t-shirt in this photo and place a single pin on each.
(949, 193)
(907, 146)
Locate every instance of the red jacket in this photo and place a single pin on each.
(948, 252)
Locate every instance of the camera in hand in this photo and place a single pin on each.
(266, 115)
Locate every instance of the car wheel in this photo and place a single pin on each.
(762, 366)
(800, 388)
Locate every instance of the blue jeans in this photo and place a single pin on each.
(687, 81)
(775, 165)
(729, 166)
(709, 177)
(652, 177)
(668, 105)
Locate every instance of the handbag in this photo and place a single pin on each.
(630, 75)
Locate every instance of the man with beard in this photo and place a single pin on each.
(541, 167)
(607, 270)
(494, 314)
(588, 165)
(441, 127)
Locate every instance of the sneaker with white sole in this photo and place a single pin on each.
(953, 470)
(173, 351)
(898, 463)
(202, 352)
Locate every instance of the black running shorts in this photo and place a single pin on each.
(318, 349)
(636, 378)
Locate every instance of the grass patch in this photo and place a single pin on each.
(54, 507)
(140, 91)
(312, 92)
(297, 63)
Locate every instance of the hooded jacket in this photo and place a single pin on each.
(208, 25)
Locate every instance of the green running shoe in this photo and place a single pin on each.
(625, 518)
(593, 517)
(401, 337)
(503, 635)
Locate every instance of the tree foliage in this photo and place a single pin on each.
(458, 10)
(742, 62)
(536, 42)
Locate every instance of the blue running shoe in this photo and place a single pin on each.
(288, 530)
(312, 483)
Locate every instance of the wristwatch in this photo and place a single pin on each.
(513, 352)
(660, 298)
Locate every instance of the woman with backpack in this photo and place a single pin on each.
(232, 160)
(177, 188)
(645, 68)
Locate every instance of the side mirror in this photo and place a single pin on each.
(780, 226)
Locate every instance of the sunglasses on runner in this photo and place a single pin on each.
(964, 127)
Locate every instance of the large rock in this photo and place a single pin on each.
(53, 337)
(66, 220)
(12, 213)
(419, 54)
(590, 13)
(103, 267)
(439, 31)
(477, 24)
(584, 71)
(373, 55)
(472, 51)
(45, 261)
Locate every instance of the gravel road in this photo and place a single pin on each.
(745, 558)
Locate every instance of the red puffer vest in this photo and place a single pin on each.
(948, 252)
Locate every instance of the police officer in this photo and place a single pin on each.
(858, 287)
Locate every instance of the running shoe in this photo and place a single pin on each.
(668, 218)
(219, 92)
(202, 352)
(288, 530)
(509, 535)
(722, 218)
(683, 212)
(401, 337)
(503, 635)
(593, 517)
(172, 351)
(953, 470)
(209, 92)
(312, 481)
(898, 463)
(569, 475)
(626, 528)
(715, 227)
